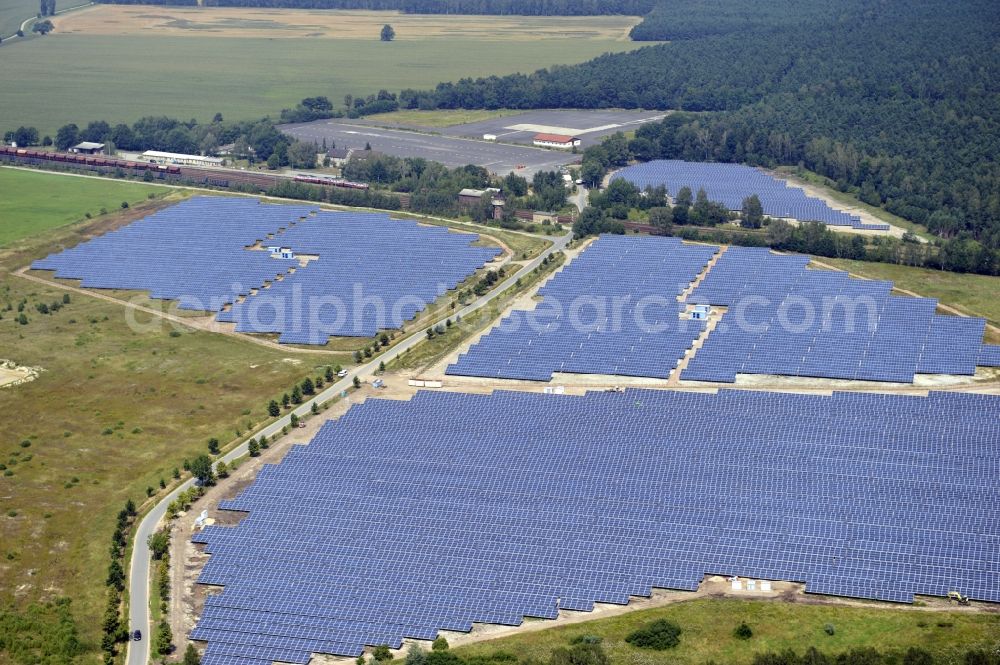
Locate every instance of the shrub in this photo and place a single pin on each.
(382, 652)
(658, 635)
(829, 629)
(439, 643)
(743, 632)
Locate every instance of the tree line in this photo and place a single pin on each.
(482, 7)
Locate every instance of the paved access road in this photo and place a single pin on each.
(452, 151)
(139, 578)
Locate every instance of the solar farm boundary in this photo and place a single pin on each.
(453, 224)
(940, 305)
(139, 563)
(195, 323)
(419, 420)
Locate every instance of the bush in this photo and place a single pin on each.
(658, 635)
(439, 644)
(743, 632)
(829, 629)
(382, 652)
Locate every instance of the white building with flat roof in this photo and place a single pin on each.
(157, 157)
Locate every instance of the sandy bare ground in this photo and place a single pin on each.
(334, 24)
(13, 374)
(820, 193)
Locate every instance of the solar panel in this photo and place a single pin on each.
(613, 310)
(781, 318)
(405, 518)
(730, 184)
(365, 271)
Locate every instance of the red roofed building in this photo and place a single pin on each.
(556, 141)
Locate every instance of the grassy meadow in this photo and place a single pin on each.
(707, 632)
(35, 202)
(115, 409)
(122, 77)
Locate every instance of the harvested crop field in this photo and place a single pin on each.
(197, 74)
(271, 23)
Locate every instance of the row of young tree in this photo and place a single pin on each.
(483, 7)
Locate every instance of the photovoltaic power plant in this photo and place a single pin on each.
(729, 184)
(786, 320)
(618, 309)
(405, 518)
(366, 271)
(588, 322)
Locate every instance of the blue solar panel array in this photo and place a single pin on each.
(397, 267)
(856, 330)
(405, 518)
(783, 319)
(193, 252)
(644, 335)
(372, 273)
(989, 356)
(729, 184)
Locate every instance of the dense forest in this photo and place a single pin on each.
(490, 7)
(899, 101)
(672, 21)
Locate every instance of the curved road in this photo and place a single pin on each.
(28, 21)
(139, 579)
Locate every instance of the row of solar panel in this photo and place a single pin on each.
(199, 253)
(400, 519)
(730, 184)
(782, 319)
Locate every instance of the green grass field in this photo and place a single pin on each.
(77, 78)
(975, 295)
(35, 202)
(115, 408)
(707, 632)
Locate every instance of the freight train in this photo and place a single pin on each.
(221, 177)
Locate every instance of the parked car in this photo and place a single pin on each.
(137, 635)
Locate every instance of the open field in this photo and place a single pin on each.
(247, 77)
(35, 202)
(115, 409)
(338, 24)
(707, 632)
(974, 295)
